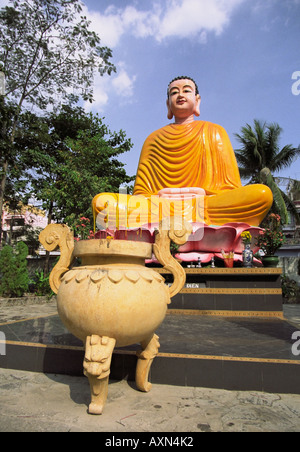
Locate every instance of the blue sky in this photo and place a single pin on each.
(242, 53)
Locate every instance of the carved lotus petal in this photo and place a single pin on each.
(132, 275)
(158, 277)
(115, 276)
(69, 276)
(82, 275)
(147, 276)
(98, 275)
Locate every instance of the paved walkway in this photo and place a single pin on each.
(46, 403)
(33, 402)
(14, 312)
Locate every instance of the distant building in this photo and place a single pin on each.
(292, 229)
(15, 224)
(289, 253)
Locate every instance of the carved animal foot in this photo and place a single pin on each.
(96, 364)
(145, 358)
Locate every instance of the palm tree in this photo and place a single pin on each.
(260, 157)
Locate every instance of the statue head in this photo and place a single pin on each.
(183, 98)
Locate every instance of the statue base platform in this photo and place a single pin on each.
(216, 338)
(237, 292)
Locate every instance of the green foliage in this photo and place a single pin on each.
(290, 290)
(13, 270)
(83, 229)
(271, 238)
(72, 156)
(174, 248)
(41, 284)
(7, 271)
(260, 156)
(47, 49)
(31, 238)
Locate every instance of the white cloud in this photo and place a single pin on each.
(181, 19)
(163, 19)
(114, 22)
(120, 85)
(193, 18)
(123, 84)
(142, 23)
(188, 18)
(175, 18)
(109, 25)
(101, 90)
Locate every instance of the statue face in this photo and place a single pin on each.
(183, 101)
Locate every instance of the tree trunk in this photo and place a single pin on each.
(2, 189)
(5, 164)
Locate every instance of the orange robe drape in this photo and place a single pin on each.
(193, 155)
(198, 154)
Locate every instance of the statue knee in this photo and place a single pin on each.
(264, 194)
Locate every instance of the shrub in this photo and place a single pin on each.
(41, 284)
(7, 270)
(271, 238)
(290, 290)
(13, 270)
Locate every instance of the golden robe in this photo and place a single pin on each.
(193, 155)
(198, 154)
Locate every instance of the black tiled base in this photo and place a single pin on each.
(228, 302)
(216, 352)
(236, 289)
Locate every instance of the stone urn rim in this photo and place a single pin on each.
(102, 250)
(113, 247)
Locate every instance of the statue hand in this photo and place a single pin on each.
(184, 192)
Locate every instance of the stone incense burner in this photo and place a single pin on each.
(112, 299)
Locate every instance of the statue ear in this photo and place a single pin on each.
(197, 106)
(170, 114)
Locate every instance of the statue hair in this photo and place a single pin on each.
(183, 77)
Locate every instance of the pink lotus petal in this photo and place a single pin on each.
(239, 227)
(153, 260)
(193, 257)
(237, 257)
(257, 262)
(216, 239)
(209, 239)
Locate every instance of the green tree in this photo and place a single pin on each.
(74, 158)
(47, 50)
(260, 157)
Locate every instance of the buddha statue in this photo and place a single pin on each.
(186, 168)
